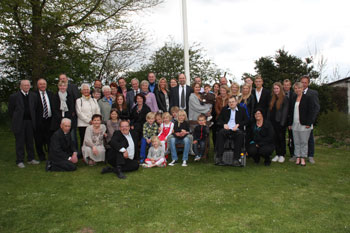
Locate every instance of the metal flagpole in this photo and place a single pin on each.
(186, 47)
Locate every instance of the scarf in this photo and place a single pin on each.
(63, 99)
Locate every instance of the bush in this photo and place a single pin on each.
(333, 126)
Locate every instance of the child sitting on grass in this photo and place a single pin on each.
(155, 155)
(150, 129)
(200, 134)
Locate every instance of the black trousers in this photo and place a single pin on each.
(213, 131)
(236, 136)
(290, 142)
(280, 138)
(25, 137)
(117, 159)
(82, 135)
(257, 152)
(61, 166)
(42, 137)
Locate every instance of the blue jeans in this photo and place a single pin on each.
(174, 141)
(199, 151)
(143, 149)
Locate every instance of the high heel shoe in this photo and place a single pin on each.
(298, 161)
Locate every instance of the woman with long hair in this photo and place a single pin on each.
(235, 90)
(278, 113)
(247, 100)
(162, 95)
(121, 107)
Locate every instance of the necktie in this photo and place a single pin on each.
(183, 98)
(45, 110)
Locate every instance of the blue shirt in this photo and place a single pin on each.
(152, 86)
(232, 122)
(110, 100)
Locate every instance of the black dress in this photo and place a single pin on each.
(138, 118)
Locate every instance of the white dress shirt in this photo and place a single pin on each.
(47, 102)
(232, 122)
(131, 148)
(258, 94)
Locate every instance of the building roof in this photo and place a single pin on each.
(346, 80)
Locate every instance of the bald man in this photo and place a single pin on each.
(22, 109)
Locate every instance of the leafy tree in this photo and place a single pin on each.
(40, 38)
(284, 66)
(168, 62)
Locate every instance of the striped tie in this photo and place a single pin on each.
(45, 110)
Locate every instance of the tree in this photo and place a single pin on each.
(168, 62)
(42, 38)
(284, 66)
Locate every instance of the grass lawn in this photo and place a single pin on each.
(198, 198)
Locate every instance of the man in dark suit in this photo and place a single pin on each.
(130, 95)
(305, 80)
(262, 96)
(22, 109)
(123, 155)
(290, 94)
(180, 95)
(63, 153)
(153, 85)
(231, 121)
(44, 114)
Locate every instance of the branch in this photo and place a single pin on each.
(16, 18)
(83, 17)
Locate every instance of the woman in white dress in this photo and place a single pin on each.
(93, 149)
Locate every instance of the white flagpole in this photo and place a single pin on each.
(186, 47)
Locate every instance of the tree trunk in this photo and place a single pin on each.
(37, 44)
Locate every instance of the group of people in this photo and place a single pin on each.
(117, 124)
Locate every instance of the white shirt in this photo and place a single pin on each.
(305, 91)
(258, 94)
(180, 92)
(136, 91)
(47, 102)
(232, 122)
(131, 148)
(24, 93)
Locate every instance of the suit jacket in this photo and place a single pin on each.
(16, 110)
(57, 113)
(73, 90)
(290, 97)
(130, 97)
(40, 107)
(160, 97)
(61, 146)
(119, 141)
(175, 98)
(315, 103)
(305, 110)
(241, 117)
(264, 100)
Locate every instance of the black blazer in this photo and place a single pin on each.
(40, 107)
(261, 137)
(119, 141)
(160, 97)
(305, 110)
(281, 115)
(264, 100)
(16, 110)
(241, 117)
(61, 146)
(73, 90)
(175, 98)
(315, 103)
(130, 97)
(290, 97)
(138, 119)
(57, 113)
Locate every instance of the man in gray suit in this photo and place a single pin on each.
(305, 80)
(130, 95)
(22, 108)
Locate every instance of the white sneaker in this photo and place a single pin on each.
(21, 165)
(144, 165)
(172, 163)
(34, 162)
(275, 159)
(197, 158)
(184, 163)
(281, 159)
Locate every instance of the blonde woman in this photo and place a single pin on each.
(162, 95)
(222, 99)
(235, 90)
(247, 100)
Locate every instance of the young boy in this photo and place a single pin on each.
(174, 111)
(150, 129)
(208, 96)
(200, 134)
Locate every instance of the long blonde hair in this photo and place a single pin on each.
(234, 84)
(245, 97)
(181, 112)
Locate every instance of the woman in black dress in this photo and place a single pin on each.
(138, 114)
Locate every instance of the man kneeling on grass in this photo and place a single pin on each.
(123, 155)
(62, 154)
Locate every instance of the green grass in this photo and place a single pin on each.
(198, 198)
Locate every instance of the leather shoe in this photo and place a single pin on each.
(119, 173)
(106, 170)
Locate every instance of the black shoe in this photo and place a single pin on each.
(119, 173)
(267, 163)
(236, 163)
(48, 166)
(106, 170)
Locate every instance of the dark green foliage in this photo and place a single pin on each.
(168, 62)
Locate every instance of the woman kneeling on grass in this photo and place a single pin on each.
(155, 155)
(181, 131)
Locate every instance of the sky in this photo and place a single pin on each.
(235, 33)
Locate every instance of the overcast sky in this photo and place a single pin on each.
(235, 33)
